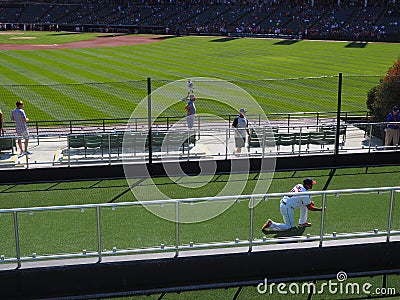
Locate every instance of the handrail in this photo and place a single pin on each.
(102, 122)
(201, 199)
(177, 247)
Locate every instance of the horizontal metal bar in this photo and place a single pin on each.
(191, 200)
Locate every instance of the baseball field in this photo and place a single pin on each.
(60, 77)
(86, 80)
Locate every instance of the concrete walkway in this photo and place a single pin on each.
(53, 150)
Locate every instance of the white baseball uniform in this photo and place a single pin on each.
(287, 206)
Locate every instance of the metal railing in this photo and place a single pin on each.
(41, 127)
(248, 243)
(272, 139)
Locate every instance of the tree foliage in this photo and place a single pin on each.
(383, 97)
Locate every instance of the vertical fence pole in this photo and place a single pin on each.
(109, 148)
(69, 151)
(263, 142)
(370, 138)
(99, 244)
(338, 113)
(300, 139)
(17, 245)
(37, 131)
(227, 133)
(321, 233)
(176, 228)
(27, 160)
(251, 223)
(390, 215)
(150, 135)
(229, 124)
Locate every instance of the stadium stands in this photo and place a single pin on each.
(323, 20)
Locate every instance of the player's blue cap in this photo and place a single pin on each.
(309, 180)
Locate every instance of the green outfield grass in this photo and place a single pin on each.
(55, 82)
(135, 227)
(45, 37)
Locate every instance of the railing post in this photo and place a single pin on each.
(339, 108)
(321, 233)
(370, 137)
(149, 123)
(104, 125)
(37, 131)
(229, 124)
(390, 215)
(288, 123)
(109, 148)
(300, 138)
(199, 125)
(99, 244)
(17, 245)
(263, 142)
(251, 223)
(70, 126)
(69, 151)
(27, 160)
(176, 228)
(227, 133)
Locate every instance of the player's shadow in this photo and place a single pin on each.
(292, 232)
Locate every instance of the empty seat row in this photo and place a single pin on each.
(138, 142)
(7, 144)
(270, 139)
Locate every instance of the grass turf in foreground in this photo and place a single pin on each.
(135, 227)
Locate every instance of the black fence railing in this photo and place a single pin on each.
(165, 123)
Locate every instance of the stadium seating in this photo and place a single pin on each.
(7, 144)
(347, 20)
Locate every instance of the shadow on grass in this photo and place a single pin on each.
(297, 231)
(62, 33)
(223, 40)
(165, 37)
(357, 44)
(286, 42)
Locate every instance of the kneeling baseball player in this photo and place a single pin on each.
(289, 203)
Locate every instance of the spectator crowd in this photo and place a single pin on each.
(327, 19)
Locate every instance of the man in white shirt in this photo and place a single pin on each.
(289, 203)
(241, 125)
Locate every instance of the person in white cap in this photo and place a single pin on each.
(289, 203)
(241, 125)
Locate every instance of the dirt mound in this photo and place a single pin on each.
(105, 41)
